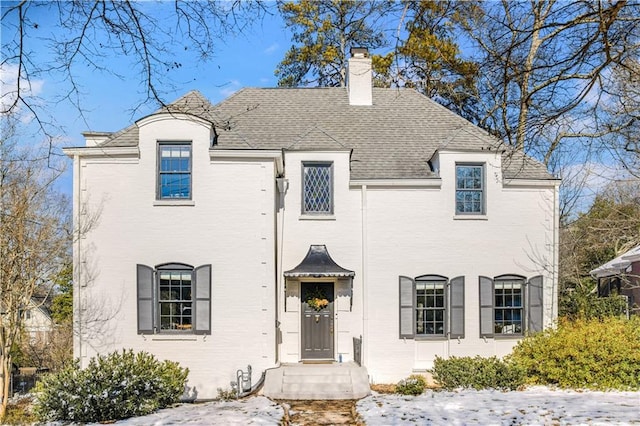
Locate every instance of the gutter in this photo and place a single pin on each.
(365, 311)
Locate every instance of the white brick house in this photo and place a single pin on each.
(280, 224)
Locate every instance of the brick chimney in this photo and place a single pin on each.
(359, 77)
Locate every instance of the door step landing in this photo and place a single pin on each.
(317, 381)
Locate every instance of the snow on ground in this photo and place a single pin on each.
(535, 406)
(251, 411)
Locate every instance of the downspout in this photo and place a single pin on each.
(448, 331)
(282, 185)
(365, 288)
(77, 273)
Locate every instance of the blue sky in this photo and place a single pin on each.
(110, 103)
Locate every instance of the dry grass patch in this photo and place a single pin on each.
(19, 412)
(321, 412)
(384, 388)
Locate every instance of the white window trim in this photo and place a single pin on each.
(159, 197)
(330, 215)
(470, 215)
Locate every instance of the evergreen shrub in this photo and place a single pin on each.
(477, 373)
(413, 385)
(598, 354)
(112, 387)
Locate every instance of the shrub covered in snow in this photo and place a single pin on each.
(598, 354)
(413, 385)
(115, 386)
(477, 373)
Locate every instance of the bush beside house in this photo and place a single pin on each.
(477, 373)
(115, 386)
(413, 385)
(598, 354)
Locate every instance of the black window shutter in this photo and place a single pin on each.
(486, 307)
(456, 308)
(145, 299)
(535, 304)
(202, 298)
(407, 309)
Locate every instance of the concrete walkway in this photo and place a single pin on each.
(317, 381)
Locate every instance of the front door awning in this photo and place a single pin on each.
(318, 263)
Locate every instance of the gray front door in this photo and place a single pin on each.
(317, 320)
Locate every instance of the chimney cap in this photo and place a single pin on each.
(359, 52)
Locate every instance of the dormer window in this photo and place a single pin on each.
(174, 171)
(317, 188)
(470, 197)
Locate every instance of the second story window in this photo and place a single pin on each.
(317, 188)
(470, 189)
(174, 171)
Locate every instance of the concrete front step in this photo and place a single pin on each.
(315, 370)
(311, 381)
(286, 379)
(341, 388)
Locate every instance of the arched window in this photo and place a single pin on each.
(510, 305)
(174, 298)
(431, 306)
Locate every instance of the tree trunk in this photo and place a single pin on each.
(5, 382)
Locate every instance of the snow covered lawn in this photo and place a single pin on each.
(251, 411)
(538, 405)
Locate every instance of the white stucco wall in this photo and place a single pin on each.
(235, 223)
(341, 233)
(415, 231)
(229, 223)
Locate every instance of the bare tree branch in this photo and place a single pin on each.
(543, 63)
(90, 34)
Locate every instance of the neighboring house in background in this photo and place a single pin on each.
(281, 224)
(621, 276)
(37, 322)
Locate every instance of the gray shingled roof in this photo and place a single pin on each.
(393, 138)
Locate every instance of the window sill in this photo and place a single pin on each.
(174, 337)
(508, 336)
(470, 217)
(420, 338)
(317, 217)
(174, 203)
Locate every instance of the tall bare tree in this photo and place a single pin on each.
(543, 63)
(34, 238)
(623, 95)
